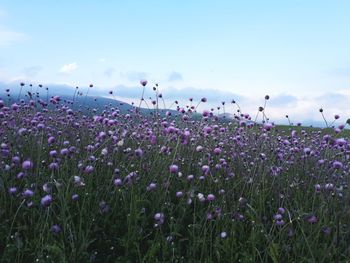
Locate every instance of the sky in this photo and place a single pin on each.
(297, 51)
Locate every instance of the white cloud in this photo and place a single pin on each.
(8, 37)
(69, 68)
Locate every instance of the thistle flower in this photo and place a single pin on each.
(337, 165)
(75, 197)
(27, 165)
(173, 168)
(46, 200)
(179, 194)
(143, 82)
(12, 190)
(118, 182)
(151, 186)
(138, 152)
(159, 218)
(312, 219)
(205, 169)
(210, 197)
(56, 229)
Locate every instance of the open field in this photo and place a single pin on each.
(125, 187)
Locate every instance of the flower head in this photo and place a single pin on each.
(46, 200)
(143, 82)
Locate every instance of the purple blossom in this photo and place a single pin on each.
(143, 82)
(173, 168)
(179, 194)
(151, 187)
(27, 165)
(118, 182)
(75, 197)
(28, 193)
(159, 218)
(12, 190)
(312, 219)
(211, 197)
(46, 200)
(56, 229)
(337, 165)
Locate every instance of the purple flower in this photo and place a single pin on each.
(151, 187)
(55, 229)
(46, 200)
(312, 219)
(179, 194)
(118, 182)
(199, 148)
(211, 197)
(20, 175)
(26, 165)
(277, 217)
(53, 153)
(217, 151)
(205, 169)
(337, 165)
(159, 217)
(190, 177)
(16, 159)
(14, 106)
(75, 197)
(281, 210)
(173, 168)
(307, 151)
(28, 193)
(143, 82)
(138, 152)
(64, 151)
(329, 186)
(318, 187)
(53, 166)
(51, 140)
(12, 190)
(89, 169)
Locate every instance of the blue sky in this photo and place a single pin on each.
(296, 51)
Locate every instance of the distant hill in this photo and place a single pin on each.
(95, 101)
(68, 94)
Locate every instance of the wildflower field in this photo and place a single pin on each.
(88, 185)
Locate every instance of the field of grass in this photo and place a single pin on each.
(115, 187)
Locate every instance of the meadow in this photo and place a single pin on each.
(88, 185)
